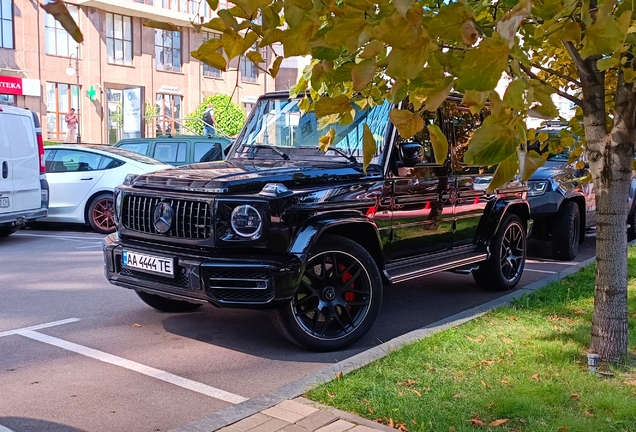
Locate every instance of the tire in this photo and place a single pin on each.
(338, 299)
(503, 269)
(6, 231)
(165, 304)
(566, 231)
(100, 214)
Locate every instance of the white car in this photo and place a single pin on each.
(82, 178)
(481, 183)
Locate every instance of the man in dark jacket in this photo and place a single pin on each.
(209, 121)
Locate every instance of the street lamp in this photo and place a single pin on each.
(70, 71)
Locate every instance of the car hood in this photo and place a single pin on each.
(552, 169)
(240, 177)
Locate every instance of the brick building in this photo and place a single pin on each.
(118, 52)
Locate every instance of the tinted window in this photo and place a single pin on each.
(128, 154)
(110, 163)
(170, 152)
(207, 151)
(73, 161)
(141, 148)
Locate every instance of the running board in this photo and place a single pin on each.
(416, 268)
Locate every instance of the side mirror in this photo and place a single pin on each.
(411, 153)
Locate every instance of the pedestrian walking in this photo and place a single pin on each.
(209, 122)
(71, 126)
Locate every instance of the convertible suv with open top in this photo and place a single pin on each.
(309, 234)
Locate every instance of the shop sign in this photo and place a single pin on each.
(132, 112)
(19, 86)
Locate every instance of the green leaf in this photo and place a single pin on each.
(505, 172)
(607, 63)
(326, 140)
(215, 24)
(328, 105)
(602, 37)
(514, 95)
(345, 28)
(575, 154)
(492, 143)
(273, 71)
(440, 144)
(249, 40)
(362, 74)
(210, 58)
(397, 32)
(214, 4)
(272, 36)
(58, 9)
(297, 40)
(250, 7)
(571, 31)
(162, 25)
(255, 57)
(629, 74)
(369, 147)
(232, 43)
(406, 122)
(482, 67)
(447, 24)
(529, 162)
(407, 63)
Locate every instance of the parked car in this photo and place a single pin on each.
(82, 179)
(481, 183)
(180, 149)
(563, 202)
(310, 234)
(24, 191)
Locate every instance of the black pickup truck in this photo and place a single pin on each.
(309, 234)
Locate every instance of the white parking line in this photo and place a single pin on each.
(551, 261)
(60, 236)
(186, 383)
(540, 271)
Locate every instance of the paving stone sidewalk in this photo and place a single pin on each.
(303, 415)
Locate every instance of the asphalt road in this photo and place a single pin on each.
(78, 354)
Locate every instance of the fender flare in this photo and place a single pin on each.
(494, 214)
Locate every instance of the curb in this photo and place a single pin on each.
(233, 414)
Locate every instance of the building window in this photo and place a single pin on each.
(249, 72)
(60, 98)
(209, 71)
(6, 24)
(58, 41)
(168, 50)
(119, 39)
(169, 114)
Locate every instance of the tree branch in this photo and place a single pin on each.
(561, 93)
(579, 62)
(555, 73)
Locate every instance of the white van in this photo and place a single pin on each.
(24, 191)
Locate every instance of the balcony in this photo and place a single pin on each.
(178, 12)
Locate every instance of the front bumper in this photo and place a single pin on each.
(545, 205)
(223, 280)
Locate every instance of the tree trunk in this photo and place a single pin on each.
(611, 159)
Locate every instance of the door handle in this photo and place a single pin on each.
(5, 169)
(87, 178)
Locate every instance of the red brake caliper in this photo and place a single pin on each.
(348, 296)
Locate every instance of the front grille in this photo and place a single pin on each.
(191, 218)
(180, 277)
(240, 285)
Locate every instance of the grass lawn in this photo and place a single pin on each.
(519, 368)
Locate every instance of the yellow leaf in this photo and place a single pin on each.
(440, 144)
(210, 58)
(415, 391)
(477, 422)
(255, 57)
(362, 74)
(535, 377)
(273, 71)
(529, 162)
(162, 25)
(58, 9)
(324, 143)
(575, 154)
(339, 375)
(369, 147)
(629, 74)
(328, 105)
(372, 49)
(406, 122)
(506, 170)
(586, 413)
(574, 396)
(563, 428)
(498, 422)
(135, 325)
(213, 4)
(232, 43)
(484, 384)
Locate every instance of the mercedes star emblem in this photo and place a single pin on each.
(162, 217)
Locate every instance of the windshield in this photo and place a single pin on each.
(279, 122)
(129, 154)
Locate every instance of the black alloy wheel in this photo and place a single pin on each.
(338, 299)
(503, 269)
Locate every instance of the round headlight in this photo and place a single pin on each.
(246, 221)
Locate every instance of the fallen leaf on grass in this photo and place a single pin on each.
(514, 318)
(371, 410)
(633, 315)
(579, 312)
(135, 325)
(407, 383)
(507, 340)
(456, 396)
(563, 428)
(586, 413)
(415, 391)
(541, 355)
(479, 339)
(484, 384)
(498, 422)
(451, 428)
(510, 352)
(390, 424)
(477, 422)
(521, 420)
(331, 395)
(414, 421)
(535, 377)
(488, 362)
(574, 396)
(401, 427)
(339, 375)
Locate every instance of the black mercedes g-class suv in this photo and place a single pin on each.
(283, 225)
